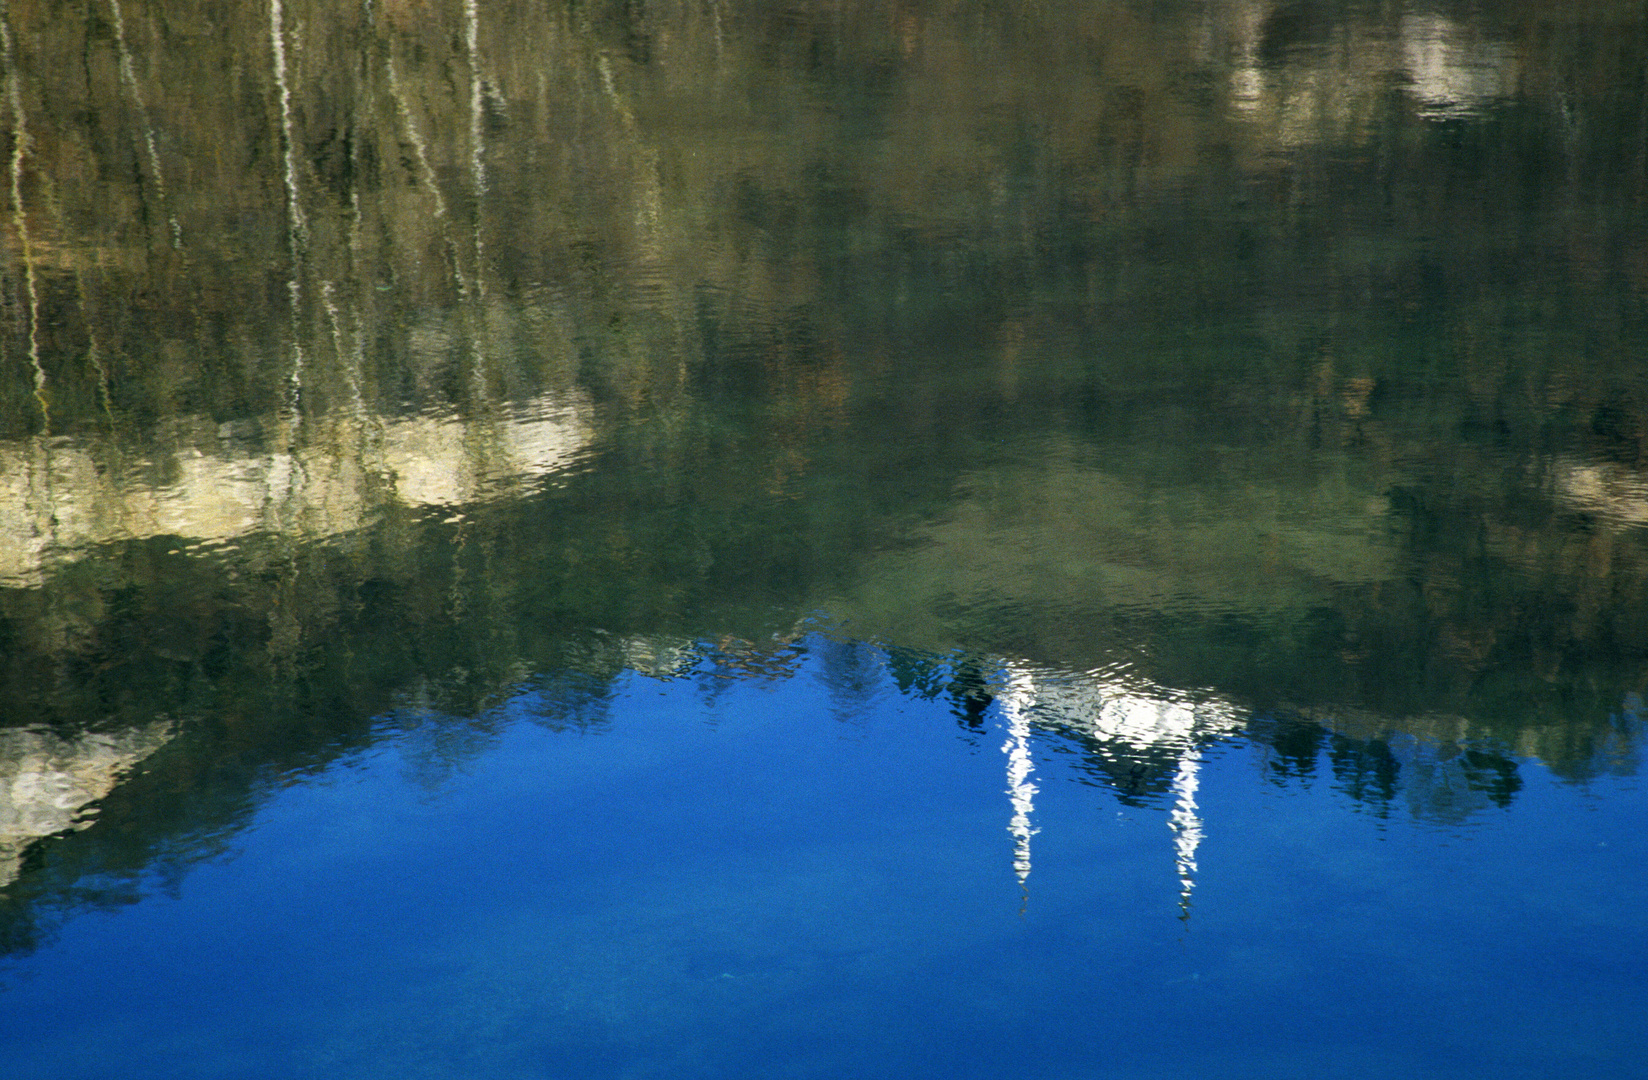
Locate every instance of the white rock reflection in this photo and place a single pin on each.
(47, 781)
(1451, 74)
(1125, 719)
(660, 657)
(1130, 720)
(1303, 92)
(1615, 493)
(60, 497)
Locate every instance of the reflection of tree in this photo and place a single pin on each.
(1435, 780)
(1366, 770)
(444, 155)
(1146, 744)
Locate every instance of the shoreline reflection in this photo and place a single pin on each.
(1146, 744)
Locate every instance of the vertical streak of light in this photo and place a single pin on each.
(477, 173)
(420, 150)
(20, 221)
(1186, 823)
(1016, 703)
(426, 175)
(355, 362)
(129, 77)
(472, 36)
(356, 359)
(296, 226)
(363, 273)
(348, 355)
(94, 349)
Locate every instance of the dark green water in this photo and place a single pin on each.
(719, 539)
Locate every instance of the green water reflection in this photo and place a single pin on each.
(367, 361)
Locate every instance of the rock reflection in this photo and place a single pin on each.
(61, 497)
(1131, 725)
(1303, 79)
(1149, 743)
(1146, 743)
(47, 781)
(800, 252)
(1612, 491)
(1452, 75)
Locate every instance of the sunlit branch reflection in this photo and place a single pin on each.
(20, 142)
(296, 222)
(1016, 703)
(128, 76)
(1186, 826)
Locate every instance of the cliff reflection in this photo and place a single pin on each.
(1302, 77)
(64, 497)
(47, 782)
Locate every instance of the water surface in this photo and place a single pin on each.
(1097, 540)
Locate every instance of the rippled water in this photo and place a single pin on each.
(697, 539)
